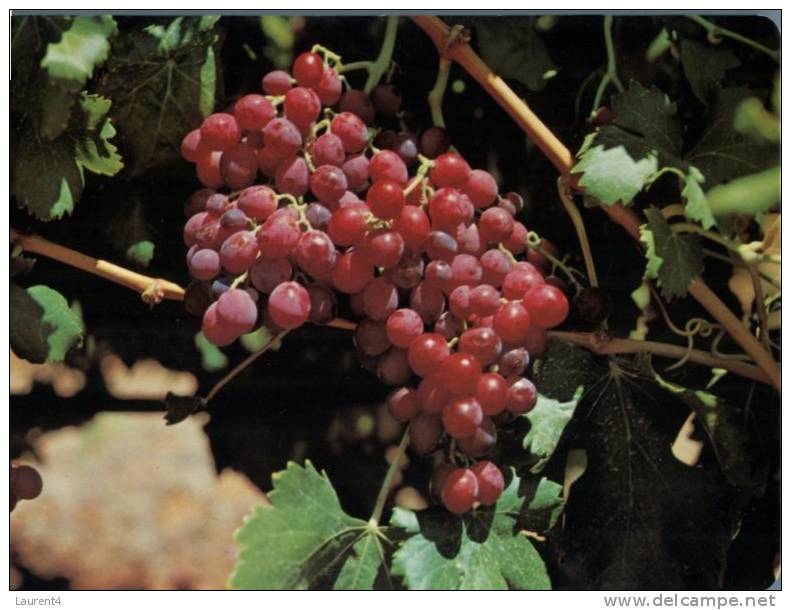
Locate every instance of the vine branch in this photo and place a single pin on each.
(605, 345)
(142, 284)
(158, 288)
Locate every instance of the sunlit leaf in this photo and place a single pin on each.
(304, 539)
(43, 327)
(673, 259)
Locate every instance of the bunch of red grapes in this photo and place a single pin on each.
(423, 247)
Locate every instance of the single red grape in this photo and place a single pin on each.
(427, 353)
(490, 482)
(460, 491)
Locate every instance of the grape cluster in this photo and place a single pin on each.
(423, 247)
(25, 483)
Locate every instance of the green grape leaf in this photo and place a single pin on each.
(305, 540)
(56, 105)
(562, 369)
(723, 153)
(212, 358)
(634, 490)
(617, 160)
(181, 31)
(45, 178)
(83, 46)
(536, 503)
(515, 50)
(673, 259)
(163, 82)
(646, 122)
(29, 35)
(696, 206)
(53, 59)
(178, 408)
(92, 130)
(612, 175)
(483, 549)
(547, 420)
(705, 66)
(363, 568)
(43, 327)
(652, 261)
(140, 253)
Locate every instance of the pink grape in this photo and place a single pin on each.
(289, 305)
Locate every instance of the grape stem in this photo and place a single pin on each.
(760, 307)
(425, 165)
(611, 75)
(384, 490)
(534, 243)
(356, 65)
(579, 226)
(242, 366)
(562, 158)
(437, 93)
(716, 31)
(382, 62)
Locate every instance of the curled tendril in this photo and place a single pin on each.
(693, 327)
